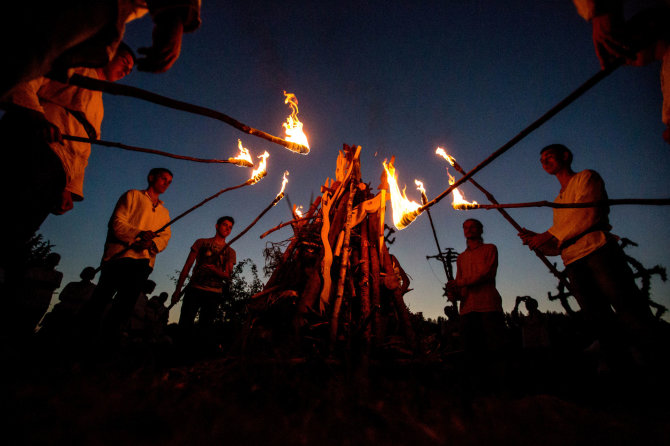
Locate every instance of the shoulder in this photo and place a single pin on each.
(132, 193)
(588, 175)
(201, 241)
(490, 247)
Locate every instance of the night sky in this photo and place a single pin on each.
(399, 79)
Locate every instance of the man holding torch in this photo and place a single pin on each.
(50, 170)
(133, 240)
(594, 262)
(214, 260)
(482, 318)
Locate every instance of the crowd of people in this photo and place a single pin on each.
(42, 109)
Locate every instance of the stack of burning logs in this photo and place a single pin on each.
(335, 287)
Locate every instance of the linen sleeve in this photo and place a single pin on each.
(25, 95)
(119, 224)
(572, 222)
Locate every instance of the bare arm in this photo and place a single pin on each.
(183, 275)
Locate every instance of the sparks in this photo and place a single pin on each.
(405, 211)
(293, 126)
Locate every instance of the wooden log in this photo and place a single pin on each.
(364, 279)
(344, 265)
(375, 279)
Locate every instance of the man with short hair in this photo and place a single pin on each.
(482, 319)
(45, 172)
(133, 240)
(594, 262)
(214, 261)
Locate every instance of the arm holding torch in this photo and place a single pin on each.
(176, 295)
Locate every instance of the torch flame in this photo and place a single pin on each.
(243, 158)
(440, 151)
(459, 200)
(293, 126)
(420, 188)
(404, 210)
(283, 182)
(261, 170)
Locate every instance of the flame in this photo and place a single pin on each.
(459, 200)
(440, 151)
(293, 126)
(243, 158)
(283, 183)
(298, 212)
(261, 170)
(420, 188)
(404, 210)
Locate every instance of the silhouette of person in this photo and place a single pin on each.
(481, 314)
(534, 331)
(34, 297)
(70, 301)
(639, 41)
(214, 261)
(42, 36)
(137, 325)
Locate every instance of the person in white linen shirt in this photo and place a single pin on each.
(595, 264)
(132, 243)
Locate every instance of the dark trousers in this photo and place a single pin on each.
(206, 302)
(120, 284)
(611, 301)
(484, 343)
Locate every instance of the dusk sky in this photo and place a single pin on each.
(399, 79)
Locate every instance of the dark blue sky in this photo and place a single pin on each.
(397, 78)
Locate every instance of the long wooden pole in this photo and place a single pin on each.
(239, 162)
(447, 271)
(551, 204)
(127, 90)
(602, 74)
(250, 181)
(274, 203)
(516, 226)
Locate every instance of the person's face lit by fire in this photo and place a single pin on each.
(160, 182)
(553, 161)
(472, 230)
(224, 228)
(119, 67)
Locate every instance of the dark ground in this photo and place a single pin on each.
(159, 397)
